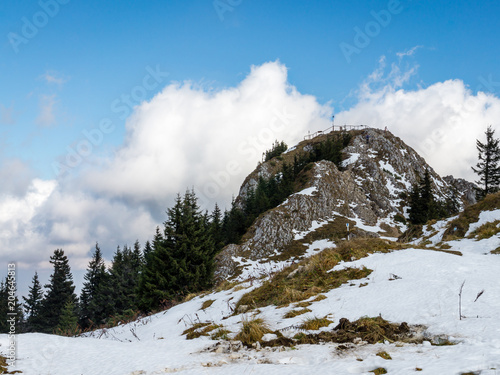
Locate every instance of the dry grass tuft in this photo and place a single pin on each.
(384, 355)
(252, 331)
(313, 324)
(458, 227)
(486, 230)
(206, 304)
(379, 371)
(200, 329)
(220, 334)
(315, 277)
(294, 313)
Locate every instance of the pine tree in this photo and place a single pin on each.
(95, 301)
(488, 168)
(60, 290)
(33, 306)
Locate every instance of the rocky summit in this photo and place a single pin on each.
(367, 195)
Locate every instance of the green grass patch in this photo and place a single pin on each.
(313, 324)
(294, 313)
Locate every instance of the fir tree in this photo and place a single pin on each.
(124, 280)
(60, 290)
(182, 260)
(95, 302)
(68, 322)
(33, 306)
(10, 308)
(422, 204)
(488, 168)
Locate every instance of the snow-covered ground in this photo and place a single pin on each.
(424, 292)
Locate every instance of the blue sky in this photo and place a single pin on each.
(100, 49)
(117, 71)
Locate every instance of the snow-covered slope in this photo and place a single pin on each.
(416, 285)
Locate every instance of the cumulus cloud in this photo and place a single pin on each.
(441, 121)
(187, 136)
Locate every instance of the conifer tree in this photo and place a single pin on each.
(124, 278)
(488, 168)
(182, 260)
(10, 308)
(60, 290)
(33, 306)
(68, 323)
(95, 301)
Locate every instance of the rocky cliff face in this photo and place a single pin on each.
(378, 171)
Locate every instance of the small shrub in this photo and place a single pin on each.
(252, 331)
(313, 324)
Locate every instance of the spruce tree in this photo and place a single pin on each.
(488, 168)
(423, 207)
(95, 302)
(68, 323)
(60, 290)
(10, 308)
(33, 306)
(124, 280)
(182, 260)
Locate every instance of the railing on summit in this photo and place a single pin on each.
(336, 128)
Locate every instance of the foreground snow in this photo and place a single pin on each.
(416, 285)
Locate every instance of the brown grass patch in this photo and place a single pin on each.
(252, 331)
(206, 304)
(314, 277)
(379, 371)
(200, 329)
(313, 324)
(458, 227)
(486, 230)
(384, 355)
(294, 313)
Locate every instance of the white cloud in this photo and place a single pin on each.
(442, 121)
(186, 136)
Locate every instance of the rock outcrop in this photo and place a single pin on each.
(377, 173)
